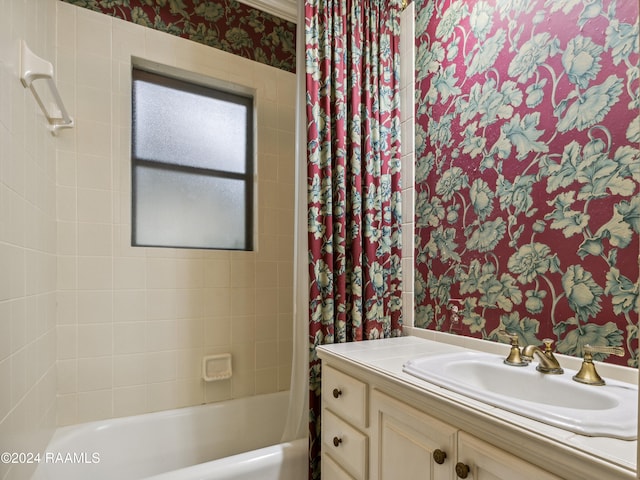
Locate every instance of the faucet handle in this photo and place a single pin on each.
(548, 342)
(515, 358)
(588, 373)
(510, 335)
(589, 349)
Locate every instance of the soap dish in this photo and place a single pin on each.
(216, 367)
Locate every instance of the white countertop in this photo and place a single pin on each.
(386, 357)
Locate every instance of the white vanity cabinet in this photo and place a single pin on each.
(381, 424)
(406, 443)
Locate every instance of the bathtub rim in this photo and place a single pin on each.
(237, 464)
(106, 433)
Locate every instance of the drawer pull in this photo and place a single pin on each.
(337, 392)
(439, 456)
(336, 441)
(462, 470)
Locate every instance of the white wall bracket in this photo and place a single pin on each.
(34, 68)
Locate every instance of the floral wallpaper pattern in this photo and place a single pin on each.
(527, 170)
(223, 24)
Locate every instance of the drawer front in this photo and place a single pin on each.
(346, 445)
(344, 395)
(332, 471)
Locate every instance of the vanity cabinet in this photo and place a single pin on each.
(402, 442)
(380, 423)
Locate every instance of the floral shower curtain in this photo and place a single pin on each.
(354, 194)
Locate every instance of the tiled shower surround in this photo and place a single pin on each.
(90, 327)
(134, 323)
(27, 243)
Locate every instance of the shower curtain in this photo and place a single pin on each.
(353, 179)
(298, 417)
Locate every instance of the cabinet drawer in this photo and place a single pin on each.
(345, 444)
(332, 471)
(344, 395)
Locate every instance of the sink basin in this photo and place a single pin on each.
(607, 411)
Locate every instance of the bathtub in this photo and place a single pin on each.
(235, 439)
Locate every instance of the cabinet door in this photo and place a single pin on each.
(486, 462)
(404, 441)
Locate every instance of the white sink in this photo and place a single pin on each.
(607, 411)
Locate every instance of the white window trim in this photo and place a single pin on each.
(210, 82)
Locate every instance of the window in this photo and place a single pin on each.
(192, 164)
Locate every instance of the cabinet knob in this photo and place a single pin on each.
(439, 456)
(336, 441)
(462, 470)
(336, 392)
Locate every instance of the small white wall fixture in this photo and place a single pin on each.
(216, 367)
(34, 68)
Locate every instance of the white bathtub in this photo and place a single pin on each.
(236, 439)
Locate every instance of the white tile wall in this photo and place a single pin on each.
(407, 95)
(134, 323)
(27, 243)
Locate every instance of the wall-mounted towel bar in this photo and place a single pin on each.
(34, 68)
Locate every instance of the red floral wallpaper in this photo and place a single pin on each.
(224, 24)
(528, 170)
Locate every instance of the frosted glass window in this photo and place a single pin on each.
(189, 209)
(192, 165)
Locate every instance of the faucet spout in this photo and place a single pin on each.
(547, 362)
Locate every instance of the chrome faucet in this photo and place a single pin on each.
(547, 361)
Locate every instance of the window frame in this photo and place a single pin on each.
(186, 83)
